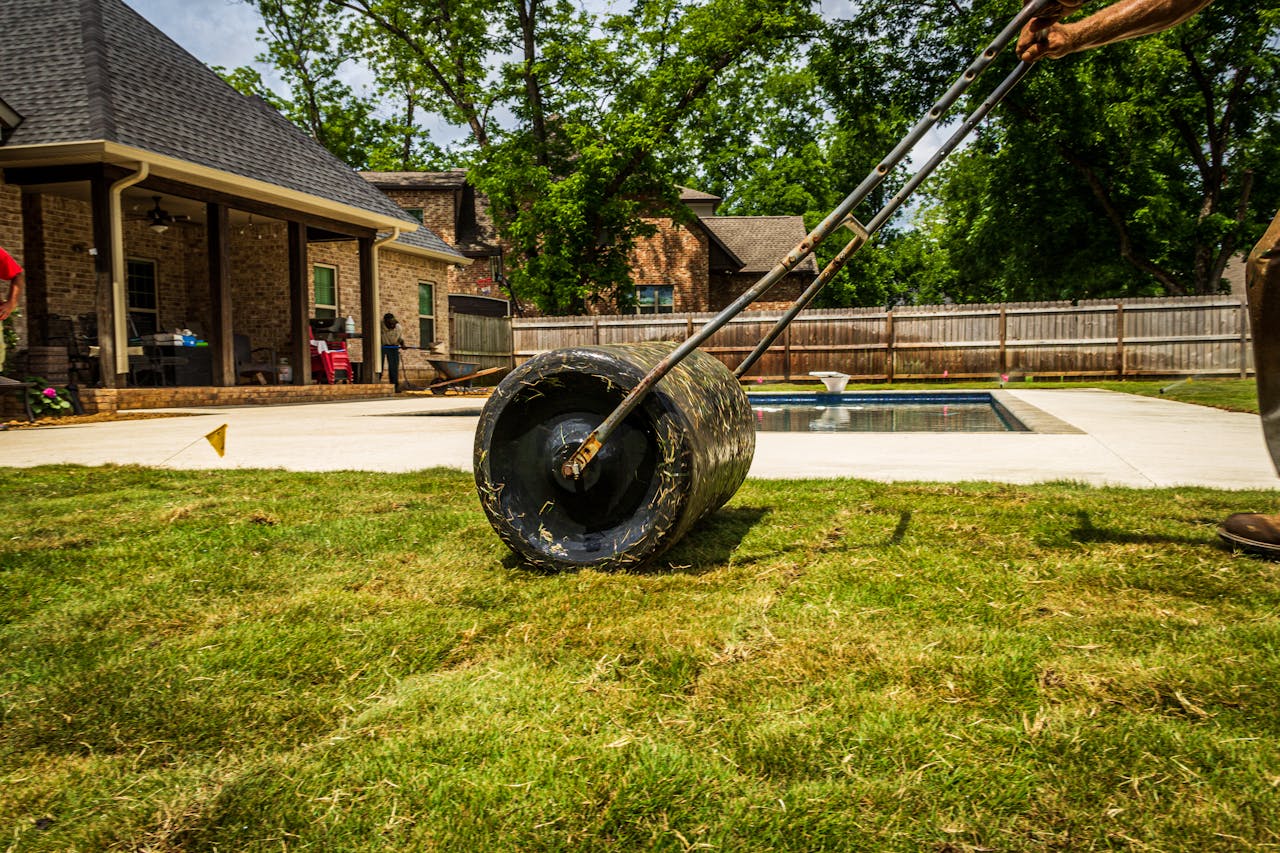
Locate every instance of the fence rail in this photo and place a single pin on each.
(1122, 338)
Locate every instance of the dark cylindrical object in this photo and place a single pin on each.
(682, 453)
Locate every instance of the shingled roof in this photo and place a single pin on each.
(94, 70)
(761, 241)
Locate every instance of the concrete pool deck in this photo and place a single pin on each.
(1122, 439)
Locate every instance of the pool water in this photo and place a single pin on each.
(888, 412)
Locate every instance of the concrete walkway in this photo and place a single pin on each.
(1123, 440)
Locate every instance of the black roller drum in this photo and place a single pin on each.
(682, 453)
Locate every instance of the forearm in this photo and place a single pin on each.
(1128, 19)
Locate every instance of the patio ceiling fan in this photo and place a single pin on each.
(159, 220)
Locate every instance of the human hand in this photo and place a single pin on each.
(6, 308)
(1043, 36)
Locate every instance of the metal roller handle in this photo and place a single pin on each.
(862, 234)
(574, 464)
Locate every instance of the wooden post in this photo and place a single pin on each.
(100, 192)
(1244, 338)
(299, 329)
(786, 353)
(370, 323)
(1004, 338)
(1120, 354)
(221, 331)
(888, 338)
(595, 330)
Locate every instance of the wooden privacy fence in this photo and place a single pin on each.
(1131, 337)
(485, 341)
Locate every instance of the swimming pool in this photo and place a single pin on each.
(886, 411)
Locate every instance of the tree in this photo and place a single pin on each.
(573, 117)
(1132, 169)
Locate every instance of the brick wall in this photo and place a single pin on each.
(439, 209)
(399, 274)
(726, 287)
(675, 255)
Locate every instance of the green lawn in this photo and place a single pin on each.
(248, 660)
(1236, 395)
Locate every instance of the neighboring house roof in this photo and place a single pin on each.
(761, 241)
(82, 71)
(687, 195)
(451, 180)
(476, 235)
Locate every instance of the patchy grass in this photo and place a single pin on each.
(1235, 395)
(247, 660)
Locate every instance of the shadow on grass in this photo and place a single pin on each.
(1087, 532)
(710, 543)
(704, 548)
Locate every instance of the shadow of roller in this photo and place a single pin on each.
(681, 454)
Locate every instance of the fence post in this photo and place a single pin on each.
(1004, 337)
(1244, 336)
(888, 339)
(595, 330)
(786, 353)
(1120, 365)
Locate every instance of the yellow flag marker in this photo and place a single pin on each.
(218, 438)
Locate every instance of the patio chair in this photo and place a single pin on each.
(256, 363)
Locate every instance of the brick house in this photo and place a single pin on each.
(700, 266)
(141, 193)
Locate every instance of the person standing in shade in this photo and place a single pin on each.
(11, 272)
(392, 343)
(1048, 37)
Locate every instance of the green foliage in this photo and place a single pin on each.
(573, 116)
(1128, 170)
(1136, 169)
(223, 662)
(46, 400)
(10, 341)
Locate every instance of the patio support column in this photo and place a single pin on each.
(370, 328)
(105, 302)
(299, 329)
(220, 333)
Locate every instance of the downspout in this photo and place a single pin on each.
(120, 309)
(375, 344)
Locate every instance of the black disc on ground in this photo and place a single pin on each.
(681, 453)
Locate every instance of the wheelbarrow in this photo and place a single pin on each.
(457, 374)
(603, 457)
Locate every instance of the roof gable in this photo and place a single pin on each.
(761, 241)
(87, 70)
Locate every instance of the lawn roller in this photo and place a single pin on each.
(605, 456)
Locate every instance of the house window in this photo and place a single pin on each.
(495, 267)
(415, 212)
(426, 313)
(325, 279)
(655, 298)
(140, 286)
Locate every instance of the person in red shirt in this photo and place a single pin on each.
(1048, 37)
(11, 272)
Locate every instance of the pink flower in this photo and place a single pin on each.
(50, 393)
(1004, 377)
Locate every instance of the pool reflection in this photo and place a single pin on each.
(879, 417)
